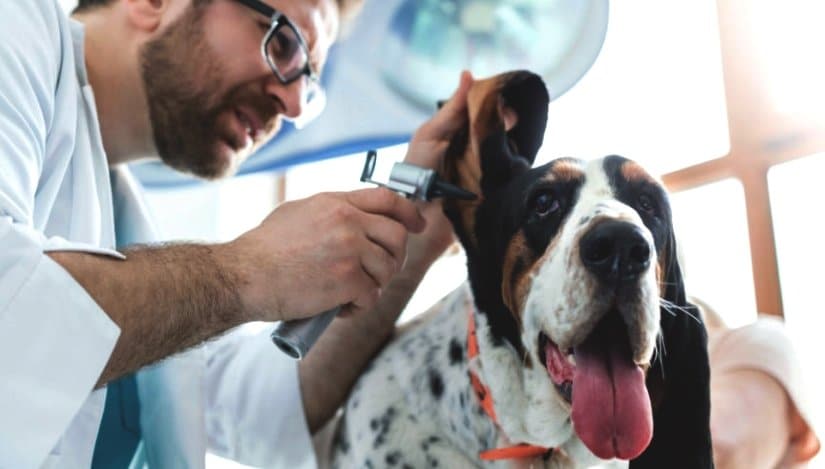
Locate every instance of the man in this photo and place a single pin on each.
(186, 80)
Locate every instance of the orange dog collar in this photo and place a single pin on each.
(482, 392)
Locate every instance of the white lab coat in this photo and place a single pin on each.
(237, 397)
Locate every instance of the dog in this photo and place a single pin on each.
(572, 343)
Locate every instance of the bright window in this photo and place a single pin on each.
(712, 235)
(655, 94)
(790, 44)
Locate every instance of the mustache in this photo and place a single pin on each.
(266, 109)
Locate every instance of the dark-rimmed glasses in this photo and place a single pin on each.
(286, 52)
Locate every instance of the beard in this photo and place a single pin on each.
(190, 118)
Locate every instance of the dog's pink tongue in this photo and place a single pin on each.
(611, 407)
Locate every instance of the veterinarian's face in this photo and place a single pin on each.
(213, 99)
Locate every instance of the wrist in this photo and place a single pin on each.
(237, 268)
(424, 250)
(420, 258)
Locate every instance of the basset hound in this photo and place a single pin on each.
(572, 342)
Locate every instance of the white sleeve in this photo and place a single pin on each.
(254, 411)
(54, 339)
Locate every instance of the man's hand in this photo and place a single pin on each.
(431, 140)
(427, 148)
(331, 249)
(750, 420)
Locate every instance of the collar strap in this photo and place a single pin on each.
(484, 396)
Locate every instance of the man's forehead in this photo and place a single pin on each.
(316, 19)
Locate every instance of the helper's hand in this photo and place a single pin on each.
(749, 420)
(427, 149)
(331, 249)
(430, 141)
(755, 424)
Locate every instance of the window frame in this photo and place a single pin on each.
(760, 138)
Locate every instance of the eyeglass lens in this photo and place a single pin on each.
(285, 52)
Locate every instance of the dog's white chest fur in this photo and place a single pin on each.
(414, 407)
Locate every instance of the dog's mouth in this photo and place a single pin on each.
(560, 366)
(610, 405)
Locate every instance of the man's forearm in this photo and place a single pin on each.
(328, 373)
(164, 299)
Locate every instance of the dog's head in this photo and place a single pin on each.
(572, 264)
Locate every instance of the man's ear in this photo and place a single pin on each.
(148, 16)
(678, 380)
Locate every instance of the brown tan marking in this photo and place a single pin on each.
(632, 171)
(566, 171)
(661, 268)
(486, 115)
(515, 293)
(527, 362)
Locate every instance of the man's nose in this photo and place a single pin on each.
(291, 95)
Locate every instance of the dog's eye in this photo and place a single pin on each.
(646, 204)
(544, 204)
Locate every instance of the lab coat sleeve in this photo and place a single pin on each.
(766, 346)
(54, 339)
(254, 409)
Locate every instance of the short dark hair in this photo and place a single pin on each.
(347, 9)
(86, 5)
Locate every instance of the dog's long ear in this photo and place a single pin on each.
(507, 115)
(679, 380)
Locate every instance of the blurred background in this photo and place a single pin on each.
(725, 100)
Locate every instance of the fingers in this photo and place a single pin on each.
(379, 264)
(389, 235)
(364, 301)
(383, 219)
(389, 204)
(384, 250)
(431, 139)
(452, 115)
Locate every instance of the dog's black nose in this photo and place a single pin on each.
(615, 251)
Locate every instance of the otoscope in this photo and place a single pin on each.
(296, 337)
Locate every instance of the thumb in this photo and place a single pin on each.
(452, 114)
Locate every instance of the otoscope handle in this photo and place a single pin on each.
(296, 337)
